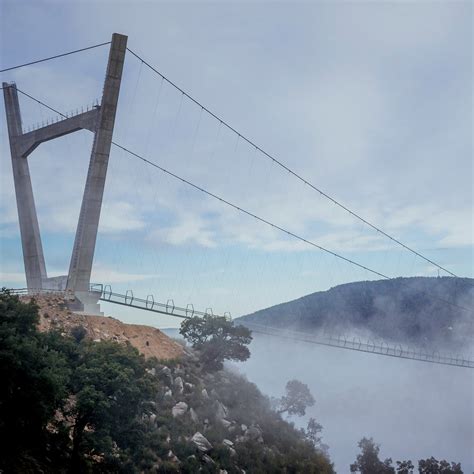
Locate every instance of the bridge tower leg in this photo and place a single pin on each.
(33, 257)
(100, 121)
(86, 235)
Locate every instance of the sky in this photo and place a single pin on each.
(369, 101)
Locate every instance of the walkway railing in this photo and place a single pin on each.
(150, 304)
(371, 346)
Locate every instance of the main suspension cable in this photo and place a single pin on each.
(249, 141)
(289, 170)
(53, 57)
(244, 211)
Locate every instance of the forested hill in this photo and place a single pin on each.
(413, 310)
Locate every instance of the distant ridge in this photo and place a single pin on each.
(411, 310)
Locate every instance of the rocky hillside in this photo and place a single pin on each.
(409, 310)
(151, 342)
(186, 419)
(221, 423)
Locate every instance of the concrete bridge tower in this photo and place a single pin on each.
(100, 121)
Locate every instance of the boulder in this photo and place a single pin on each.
(201, 442)
(207, 459)
(179, 371)
(166, 371)
(254, 433)
(228, 442)
(225, 423)
(179, 409)
(178, 383)
(221, 410)
(193, 415)
(172, 457)
(204, 394)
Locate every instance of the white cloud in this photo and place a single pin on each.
(190, 229)
(101, 274)
(12, 277)
(107, 275)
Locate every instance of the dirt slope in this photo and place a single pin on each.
(150, 341)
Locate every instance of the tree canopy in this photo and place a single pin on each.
(34, 376)
(65, 399)
(216, 339)
(433, 466)
(296, 399)
(368, 462)
(110, 386)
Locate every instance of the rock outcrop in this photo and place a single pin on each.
(179, 409)
(201, 442)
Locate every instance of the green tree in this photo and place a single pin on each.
(313, 432)
(368, 461)
(34, 374)
(296, 399)
(433, 466)
(216, 339)
(78, 333)
(111, 388)
(64, 403)
(405, 467)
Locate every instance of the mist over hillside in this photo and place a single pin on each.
(359, 394)
(416, 310)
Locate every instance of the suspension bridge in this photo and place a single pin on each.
(99, 119)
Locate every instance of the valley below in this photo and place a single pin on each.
(413, 409)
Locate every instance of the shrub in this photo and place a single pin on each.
(78, 333)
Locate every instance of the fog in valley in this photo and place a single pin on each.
(413, 409)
